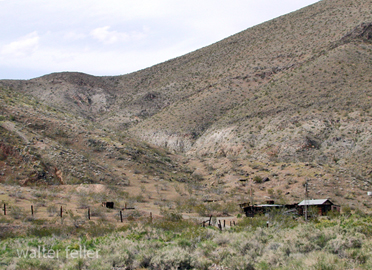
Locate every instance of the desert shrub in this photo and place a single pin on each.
(246, 243)
(346, 210)
(96, 230)
(360, 212)
(333, 214)
(257, 179)
(358, 255)
(229, 208)
(167, 243)
(17, 212)
(173, 226)
(4, 220)
(196, 234)
(172, 258)
(222, 239)
(186, 205)
(252, 223)
(45, 231)
(201, 209)
(139, 198)
(144, 257)
(41, 194)
(173, 216)
(341, 243)
(98, 212)
(207, 247)
(279, 218)
(202, 263)
(123, 258)
(326, 264)
(52, 210)
(197, 176)
(184, 243)
(7, 233)
(238, 262)
(35, 264)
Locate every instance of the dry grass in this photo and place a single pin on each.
(339, 243)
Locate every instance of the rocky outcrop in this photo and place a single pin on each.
(174, 142)
(361, 32)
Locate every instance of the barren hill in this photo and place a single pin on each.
(296, 89)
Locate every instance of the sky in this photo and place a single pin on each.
(115, 37)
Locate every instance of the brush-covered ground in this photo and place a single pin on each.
(337, 242)
(251, 118)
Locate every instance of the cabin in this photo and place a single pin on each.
(261, 209)
(323, 206)
(252, 210)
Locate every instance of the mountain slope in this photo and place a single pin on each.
(231, 69)
(236, 68)
(295, 90)
(42, 145)
(313, 113)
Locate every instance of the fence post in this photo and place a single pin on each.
(121, 216)
(150, 217)
(89, 213)
(4, 209)
(60, 213)
(32, 210)
(210, 220)
(224, 223)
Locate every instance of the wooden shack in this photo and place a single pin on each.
(252, 210)
(323, 206)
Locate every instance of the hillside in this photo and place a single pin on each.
(289, 99)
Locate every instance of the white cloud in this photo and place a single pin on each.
(119, 36)
(23, 46)
(107, 36)
(73, 35)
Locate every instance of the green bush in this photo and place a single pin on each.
(45, 231)
(172, 258)
(252, 223)
(257, 179)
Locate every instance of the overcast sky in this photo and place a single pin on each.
(114, 37)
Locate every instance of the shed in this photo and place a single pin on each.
(251, 211)
(108, 204)
(323, 205)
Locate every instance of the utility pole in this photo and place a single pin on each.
(251, 196)
(306, 199)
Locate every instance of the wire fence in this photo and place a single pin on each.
(106, 212)
(61, 211)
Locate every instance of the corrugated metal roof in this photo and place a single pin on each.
(269, 205)
(313, 202)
